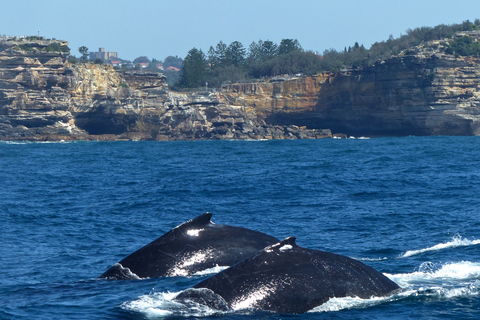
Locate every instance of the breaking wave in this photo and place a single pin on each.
(456, 241)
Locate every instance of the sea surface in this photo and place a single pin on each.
(409, 207)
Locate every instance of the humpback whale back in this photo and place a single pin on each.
(193, 246)
(287, 278)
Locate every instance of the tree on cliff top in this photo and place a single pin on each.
(141, 59)
(194, 69)
(289, 45)
(172, 61)
(84, 52)
(231, 63)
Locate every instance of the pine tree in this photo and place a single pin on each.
(194, 69)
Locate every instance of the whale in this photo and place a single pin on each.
(194, 246)
(286, 278)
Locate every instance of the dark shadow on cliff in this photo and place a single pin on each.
(104, 123)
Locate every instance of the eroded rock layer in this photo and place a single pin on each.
(43, 97)
(422, 91)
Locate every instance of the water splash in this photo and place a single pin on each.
(370, 259)
(456, 241)
(435, 281)
(337, 304)
(163, 305)
(443, 274)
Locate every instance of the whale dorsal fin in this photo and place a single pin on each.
(201, 220)
(289, 240)
(285, 244)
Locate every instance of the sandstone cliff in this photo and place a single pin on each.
(422, 91)
(43, 97)
(278, 95)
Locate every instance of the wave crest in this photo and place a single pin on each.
(456, 242)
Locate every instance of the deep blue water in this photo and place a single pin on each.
(409, 207)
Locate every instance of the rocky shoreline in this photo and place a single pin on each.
(422, 91)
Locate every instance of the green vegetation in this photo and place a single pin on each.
(56, 47)
(84, 52)
(266, 59)
(194, 69)
(358, 56)
(26, 47)
(33, 47)
(34, 38)
(172, 61)
(464, 46)
(72, 59)
(234, 63)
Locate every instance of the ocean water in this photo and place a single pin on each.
(409, 207)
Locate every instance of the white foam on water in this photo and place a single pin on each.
(443, 281)
(152, 306)
(163, 305)
(370, 259)
(442, 274)
(127, 271)
(456, 241)
(337, 304)
(36, 142)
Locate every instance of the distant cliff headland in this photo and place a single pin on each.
(432, 88)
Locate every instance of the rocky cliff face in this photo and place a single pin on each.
(423, 91)
(278, 95)
(43, 97)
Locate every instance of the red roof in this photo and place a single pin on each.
(173, 68)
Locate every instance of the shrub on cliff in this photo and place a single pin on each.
(464, 46)
(351, 57)
(56, 47)
(291, 63)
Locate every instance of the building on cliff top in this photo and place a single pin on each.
(102, 54)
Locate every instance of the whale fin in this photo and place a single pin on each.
(289, 241)
(285, 244)
(199, 221)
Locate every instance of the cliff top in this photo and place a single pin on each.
(32, 44)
